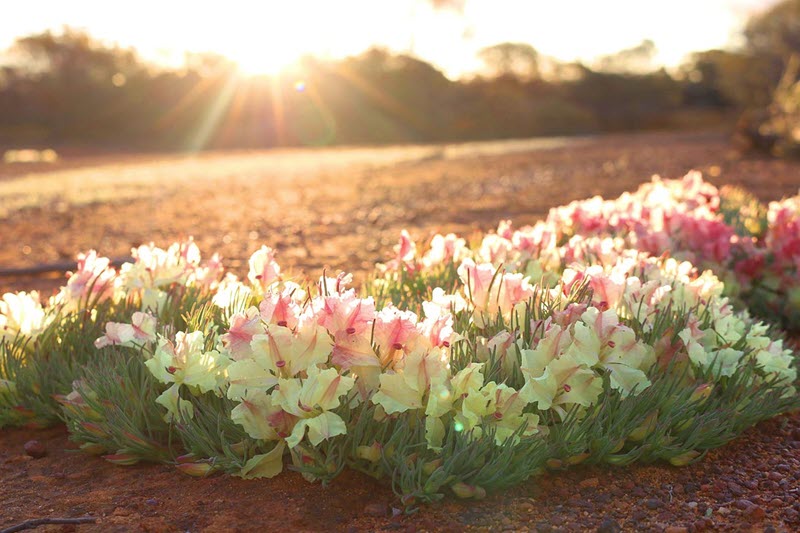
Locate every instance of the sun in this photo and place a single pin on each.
(269, 56)
(270, 38)
(254, 62)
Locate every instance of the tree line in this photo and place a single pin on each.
(66, 88)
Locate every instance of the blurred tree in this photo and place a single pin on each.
(771, 38)
(722, 78)
(73, 55)
(746, 78)
(776, 31)
(518, 60)
(635, 60)
(71, 82)
(627, 101)
(772, 121)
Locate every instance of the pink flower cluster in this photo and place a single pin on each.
(361, 335)
(681, 218)
(677, 216)
(783, 233)
(146, 279)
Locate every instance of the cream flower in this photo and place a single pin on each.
(311, 400)
(21, 314)
(419, 384)
(185, 362)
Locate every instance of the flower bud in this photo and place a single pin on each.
(196, 469)
(645, 428)
(123, 459)
(93, 448)
(577, 459)
(555, 464)
(702, 392)
(94, 430)
(431, 466)
(369, 453)
(239, 448)
(619, 460)
(462, 490)
(684, 458)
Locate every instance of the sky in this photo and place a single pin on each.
(265, 36)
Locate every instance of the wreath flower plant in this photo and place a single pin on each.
(459, 370)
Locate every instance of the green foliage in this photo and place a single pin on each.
(212, 440)
(468, 465)
(12, 357)
(676, 419)
(111, 410)
(49, 364)
(407, 289)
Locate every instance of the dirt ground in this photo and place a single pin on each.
(343, 209)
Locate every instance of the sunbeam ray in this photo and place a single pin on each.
(211, 120)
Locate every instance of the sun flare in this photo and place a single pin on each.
(269, 39)
(258, 62)
(269, 56)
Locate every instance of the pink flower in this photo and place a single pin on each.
(585, 217)
(93, 280)
(570, 279)
(264, 270)
(338, 285)
(394, 332)
(500, 345)
(188, 251)
(280, 308)
(210, 273)
(514, 289)
(477, 280)
(602, 323)
(496, 249)
(345, 312)
(406, 250)
(652, 242)
(607, 288)
(154, 267)
(438, 325)
(569, 315)
(531, 240)
(353, 350)
(491, 291)
(710, 239)
(243, 326)
(446, 302)
(783, 237)
(405, 254)
(116, 333)
(505, 229)
(140, 331)
(445, 249)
